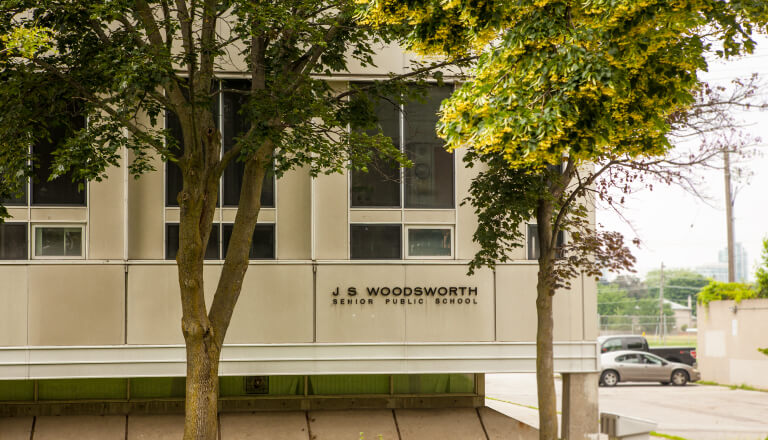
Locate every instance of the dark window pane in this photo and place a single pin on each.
(429, 242)
(172, 242)
(173, 177)
(533, 242)
(234, 125)
(380, 186)
(375, 242)
(56, 241)
(173, 180)
(534, 251)
(62, 190)
(262, 244)
(13, 241)
(429, 182)
(19, 200)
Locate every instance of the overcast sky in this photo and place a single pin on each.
(683, 232)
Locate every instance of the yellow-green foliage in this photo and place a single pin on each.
(761, 274)
(586, 78)
(716, 291)
(25, 42)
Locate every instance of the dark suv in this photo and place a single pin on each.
(685, 355)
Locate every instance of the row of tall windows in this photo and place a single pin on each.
(231, 123)
(428, 184)
(62, 191)
(48, 240)
(262, 243)
(227, 110)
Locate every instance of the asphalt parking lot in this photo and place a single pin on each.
(694, 412)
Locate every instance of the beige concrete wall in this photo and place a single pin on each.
(357, 215)
(430, 216)
(353, 322)
(17, 214)
(105, 216)
(13, 305)
(275, 304)
(74, 215)
(400, 317)
(575, 310)
(294, 215)
(465, 215)
(729, 335)
(331, 208)
(75, 304)
(79, 304)
(146, 201)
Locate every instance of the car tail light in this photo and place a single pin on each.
(693, 353)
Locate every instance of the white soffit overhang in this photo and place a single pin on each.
(294, 359)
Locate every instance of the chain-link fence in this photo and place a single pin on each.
(668, 332)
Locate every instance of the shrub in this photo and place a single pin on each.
(716, 291)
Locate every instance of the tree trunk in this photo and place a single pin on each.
(197, 202)
(545, 368)
(202, 389)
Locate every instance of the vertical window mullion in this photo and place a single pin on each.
(403, 236)
(220, 202)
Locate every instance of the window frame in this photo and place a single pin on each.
(27, 241)
(221, 256)
(220, 202)
(222, 252)
(349, 240)
(406, 241)
(402, 170)
(33, 241)
(30, 189)
(561, 241)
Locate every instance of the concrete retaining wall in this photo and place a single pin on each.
(729, 335)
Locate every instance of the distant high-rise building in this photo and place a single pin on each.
(716, 271)
(719, 271)
(740, 262)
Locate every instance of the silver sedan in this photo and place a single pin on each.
(638, 366)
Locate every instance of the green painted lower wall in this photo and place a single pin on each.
(157, 387)
(433, 383)
(174, 387)
(17, 390)
(348, 384)
(67, 389)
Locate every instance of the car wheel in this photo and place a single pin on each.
(609, 378)
(679, 377)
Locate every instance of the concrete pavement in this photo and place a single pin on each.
(695, 412)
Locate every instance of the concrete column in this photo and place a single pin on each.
(580, 410)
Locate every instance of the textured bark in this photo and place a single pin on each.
(545, 368)
(204, 330)
(197, 202)
(202, 388)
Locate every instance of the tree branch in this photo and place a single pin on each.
(101, 104)
(410, 74)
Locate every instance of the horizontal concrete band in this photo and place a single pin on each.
(240, 404)
(289, 359)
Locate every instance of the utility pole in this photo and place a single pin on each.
(729, 215)
(661, 303)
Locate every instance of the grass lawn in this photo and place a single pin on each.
(687, 340)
